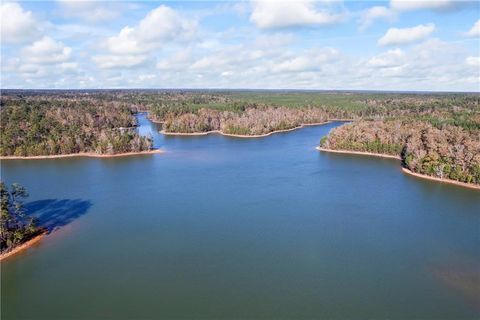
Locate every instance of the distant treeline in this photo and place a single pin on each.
(53, 125)
(102, 121)
(252, 114)
(449, 152)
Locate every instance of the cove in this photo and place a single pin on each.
(229, 228)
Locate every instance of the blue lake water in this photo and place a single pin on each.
(231, 228)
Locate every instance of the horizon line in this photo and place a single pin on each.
(239, 89)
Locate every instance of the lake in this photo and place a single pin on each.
(231, 228)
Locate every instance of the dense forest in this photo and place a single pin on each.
(53, 125)
(15, 226)
(250, 113)
(446, 152)
(435, 133)
(254, 112)
(252, 121)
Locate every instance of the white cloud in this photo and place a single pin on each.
(250, 64)
(475, 30)
(46, 51)
(123, 61)
(273, 40)
(313, 60)
(281, 14)
(159, 26)
(392, 58)
(18, 25)
(181, 60)
(246, 57)
(473, 61)
(431, 65)
(10, 64)
(164, 24)
(396, 7)
(223, 58)
(132, 46)
(69, 66)
(148, 77)
(126, 42)
(92, 11)
(46, 63)
(375, 13)
(80, 32)
(395, 36)
(168, 49)
(410, 5)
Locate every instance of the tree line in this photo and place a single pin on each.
(450, 152)
(252, 121)
(38, 125)
(37, 122)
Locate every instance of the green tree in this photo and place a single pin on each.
(15, 226)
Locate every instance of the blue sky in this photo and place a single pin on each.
(375, 45)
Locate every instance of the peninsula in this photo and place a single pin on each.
(19, 231)
(449, 153)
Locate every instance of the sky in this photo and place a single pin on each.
(326, 45)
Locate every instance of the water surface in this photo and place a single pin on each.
(230, 228)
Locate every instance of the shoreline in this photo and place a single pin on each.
(23, 246)
(424, 176)
(154, 121)
(342, 120)
(360, 153)
(405, 170)
(241, 135)
(81, 154)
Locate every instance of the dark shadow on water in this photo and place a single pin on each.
(56, 213)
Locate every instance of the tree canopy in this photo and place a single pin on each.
(15, 225)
